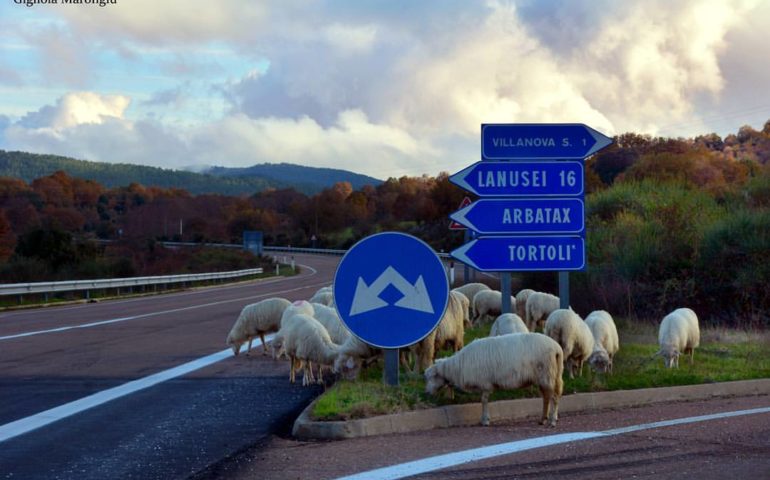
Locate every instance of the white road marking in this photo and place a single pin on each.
(163, 312)
(438, 462)
(33, 422)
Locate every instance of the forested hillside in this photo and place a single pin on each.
(223, 181)
(670, 222)
(313, 179)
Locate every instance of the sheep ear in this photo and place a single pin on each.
(350, 363)
(659, 353)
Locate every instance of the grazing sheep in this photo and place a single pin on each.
(351, 356)
(574, 336)
(470, 290)
(450, 331)
(256, 319)
(539, 306)
(487, 303)
(331, 320)
(306, 341)
(300, 306)
(508, 323)
(679, 333)
(521, 302)
(466, 306)
(606, 343)
(324, 296)
(507, 362)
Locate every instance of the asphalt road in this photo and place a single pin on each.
(52, 356)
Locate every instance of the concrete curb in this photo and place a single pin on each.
(470, 414)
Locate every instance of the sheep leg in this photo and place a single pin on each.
(547, 395)
(264, 347)
(554, 410)
(249, 348)
(320, 374)
(292, 368)
(485, 408)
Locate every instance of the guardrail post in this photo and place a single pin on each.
(293, 266)
(277, 270)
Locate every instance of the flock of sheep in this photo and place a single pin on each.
(312, 336)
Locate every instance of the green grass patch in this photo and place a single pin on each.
(723, 356)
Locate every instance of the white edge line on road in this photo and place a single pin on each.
(438, 462)
(33, 422)
(144, 315)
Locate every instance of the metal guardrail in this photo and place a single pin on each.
(79, 285)
(325, 251)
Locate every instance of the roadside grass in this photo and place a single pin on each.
(724, 355)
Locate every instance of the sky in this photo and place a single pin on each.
(382, 87)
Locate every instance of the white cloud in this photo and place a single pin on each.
(351, 39)
(77, 108)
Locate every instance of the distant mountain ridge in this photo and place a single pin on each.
(292, 173)
(226, 181)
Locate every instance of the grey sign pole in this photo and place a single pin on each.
(466, 268)
(391, 366)
(563, 289)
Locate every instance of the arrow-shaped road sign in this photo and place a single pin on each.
(523, 215)
(454, 225)
(556, 141)
(522, 254)
(366, 298)
(535, 178)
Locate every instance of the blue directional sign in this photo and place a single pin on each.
(523, 253)
(510, 179)
(540, 141)
(523, 215)
(391, 290)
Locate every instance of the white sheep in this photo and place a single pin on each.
(307, 342)
(255, 320)
(488, 303)
(331, 320)
(300, 306)
(508, 323)
(450, 332)
(466, 307)
(352, 355)
(606, 342)
(470, 290)
(507, 362)
(539, 306)
(679, 333)
(574, 336)
(521, 302)
(324, 295)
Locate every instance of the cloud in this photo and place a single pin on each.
(75, 109)
(172, 97)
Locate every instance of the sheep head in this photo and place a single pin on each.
(599, 361)
(433, 380)
(347, 366)
(670, 355)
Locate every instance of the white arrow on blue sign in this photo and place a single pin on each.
(556, 141)
(523, 215)
(523, 253)
(535, 178)
(390, 290)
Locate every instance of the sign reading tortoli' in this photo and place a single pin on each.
(523, 253)
(390, 290)
(557, 141)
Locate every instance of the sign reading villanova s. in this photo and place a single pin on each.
(391, 290)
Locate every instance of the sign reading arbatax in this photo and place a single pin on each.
(537, 221)
(523, 215)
